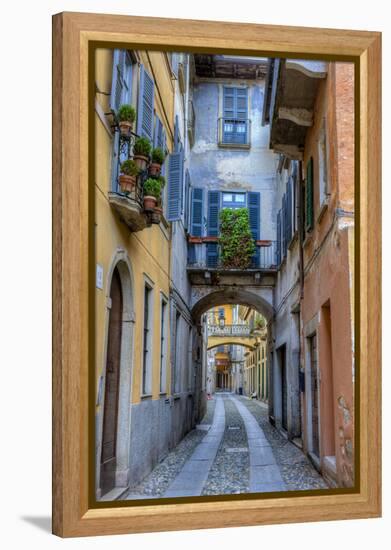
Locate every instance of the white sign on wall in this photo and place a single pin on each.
(99, 276)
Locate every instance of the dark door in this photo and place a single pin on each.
(314, 395)
(110, 414)
(284, 389)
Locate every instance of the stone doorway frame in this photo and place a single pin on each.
(121, 261)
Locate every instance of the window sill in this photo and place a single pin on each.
(234, 145)
(146, 396)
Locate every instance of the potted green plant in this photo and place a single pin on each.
(141, 152)
(126, 116)
(158, 157)
(236, 243)
(128, 175)
(152, 192)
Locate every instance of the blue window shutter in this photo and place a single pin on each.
(254, 208)
(241, 103)
(117, 79)
(175, 179)
(158, 140)
(191, 254)
(145, 105)
(229, 102)
(186, 209)
(235, 110)
(156, 130)
(289, 209)
(126, 96)
(197, 209)
(212, 254)
(279, 238)
(213, 213)
(284, 225)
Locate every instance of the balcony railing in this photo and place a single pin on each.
(234, 132)
(125, 152)
(206, 255)
(229, 330)
(129, 205)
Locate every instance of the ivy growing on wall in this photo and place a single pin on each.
(236, 243)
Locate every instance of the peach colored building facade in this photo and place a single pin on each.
(310, 109)
(328, 297)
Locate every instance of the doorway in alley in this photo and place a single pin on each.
(110, 415)
(284, 389)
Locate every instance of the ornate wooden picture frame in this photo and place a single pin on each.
(76, 36)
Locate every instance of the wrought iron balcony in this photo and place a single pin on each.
(128, 205)
(229, 330)
(234, 132)
(206, 256)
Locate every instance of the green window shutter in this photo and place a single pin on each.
(309, 196)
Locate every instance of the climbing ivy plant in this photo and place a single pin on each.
(236, 242)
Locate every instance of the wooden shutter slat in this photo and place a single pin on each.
(145, 105)
(197, 207)
(213, 213)
(175, 179)
(254, 208)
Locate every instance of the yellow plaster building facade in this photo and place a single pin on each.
(134, 406)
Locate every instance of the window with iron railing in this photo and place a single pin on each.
(234, 125)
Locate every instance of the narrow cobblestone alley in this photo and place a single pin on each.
(233, 450)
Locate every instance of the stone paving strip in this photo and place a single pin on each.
(191, 479)
(265, 475)
(156, 483)
(296, 469)
(229, 473)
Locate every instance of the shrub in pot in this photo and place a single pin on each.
(141, 152)
(152, 192)
(128, 175)
(126, 116)
(158, 157)
(236, 243)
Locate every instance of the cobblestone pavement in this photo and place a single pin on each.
(229, 472)
(296, 469)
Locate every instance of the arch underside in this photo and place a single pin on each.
(214, 342)
(232, 295)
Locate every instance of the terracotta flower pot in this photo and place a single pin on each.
(141, 161)
(154, 169)
(125, 127)
(127, 183)
(157, 215)
(149, 203)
